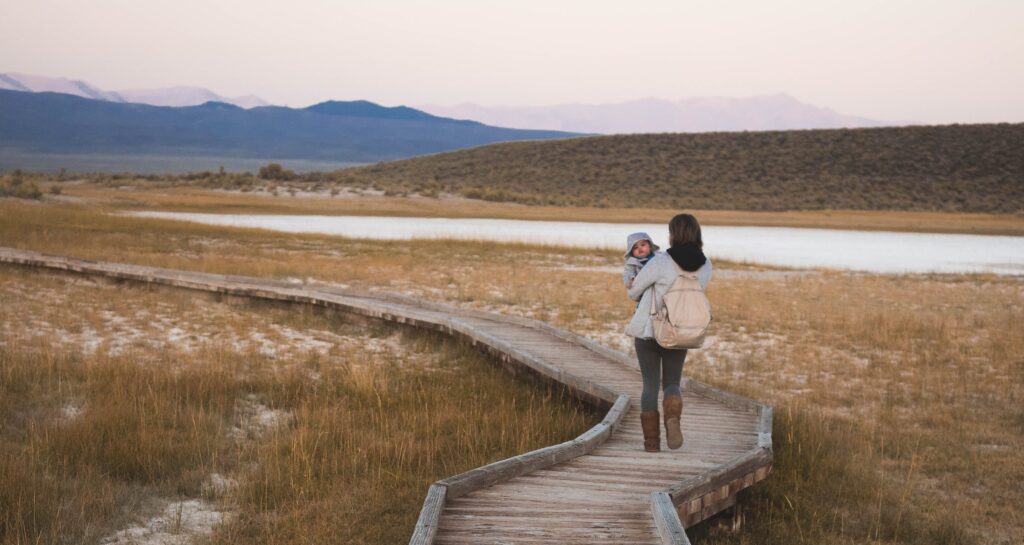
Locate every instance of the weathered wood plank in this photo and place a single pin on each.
(503, 470)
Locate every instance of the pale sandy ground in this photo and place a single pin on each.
(155, 326)
(179, 523)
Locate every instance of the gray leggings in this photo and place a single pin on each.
(658, 364)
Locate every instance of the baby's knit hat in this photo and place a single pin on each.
(631, 240)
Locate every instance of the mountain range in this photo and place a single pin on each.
(166, 96)
(48, 122)
(648, 115)
(651, 115)
(58, 124)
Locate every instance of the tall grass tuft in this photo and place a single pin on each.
(826, 488)
(355, 470)
(139, 431)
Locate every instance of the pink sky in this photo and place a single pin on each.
(933, 61)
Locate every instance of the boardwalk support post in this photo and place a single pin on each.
(764, 428)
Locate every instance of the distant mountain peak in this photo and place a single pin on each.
(183, 95)
(365, 108)
(218, 105)
(779, 111)
(8, 81)
(166, 96)
(40, 84)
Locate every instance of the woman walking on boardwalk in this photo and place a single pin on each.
(657, 364)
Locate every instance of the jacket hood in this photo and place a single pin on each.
(688, 256)
(637, 237)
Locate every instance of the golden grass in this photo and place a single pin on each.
(195, 200)
(898, 398)
(96, 436)
(897, 406)
(901, 393)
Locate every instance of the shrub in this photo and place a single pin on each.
(16, 186)
(275, 171)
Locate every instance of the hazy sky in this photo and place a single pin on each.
(897, 60)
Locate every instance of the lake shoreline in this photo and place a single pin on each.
(801, 248)
(369, 202)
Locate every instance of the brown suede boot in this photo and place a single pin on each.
(652, 431)
(673, 407)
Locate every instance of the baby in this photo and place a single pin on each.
(639, 250)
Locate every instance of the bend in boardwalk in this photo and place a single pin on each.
(601, 487)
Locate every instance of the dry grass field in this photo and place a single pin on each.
(133, 414)
(898, 398)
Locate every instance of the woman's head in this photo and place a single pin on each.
(684, 229)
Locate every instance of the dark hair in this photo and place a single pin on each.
(684, 229)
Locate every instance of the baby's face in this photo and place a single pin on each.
(641, 249)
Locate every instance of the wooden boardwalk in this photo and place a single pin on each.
(599, 488)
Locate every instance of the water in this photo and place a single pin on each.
(871, 251)
(151, 164)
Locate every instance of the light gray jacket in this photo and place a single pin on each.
(632, 268)
(659, 273)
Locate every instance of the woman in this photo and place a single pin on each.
(659, 364)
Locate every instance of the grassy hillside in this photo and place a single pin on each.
(956, 168)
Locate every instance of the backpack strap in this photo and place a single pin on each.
(654, 299)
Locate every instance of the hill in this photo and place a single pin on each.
(956, 168)
(55, 123)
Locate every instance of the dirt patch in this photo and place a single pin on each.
(178, 523)
(256, 419)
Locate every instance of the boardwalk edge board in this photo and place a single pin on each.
(518, 320)
(694, 499)
(503, 470)
(430, 515)
(670, 528)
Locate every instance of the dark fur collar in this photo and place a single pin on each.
(688, 256)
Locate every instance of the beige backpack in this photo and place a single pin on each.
(685, 314)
